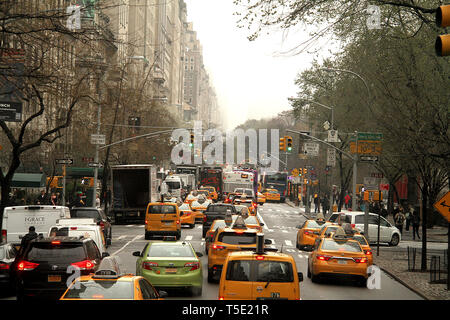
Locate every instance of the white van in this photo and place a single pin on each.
(175, 185)
(17, 220)
(86, 227)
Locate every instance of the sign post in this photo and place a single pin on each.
(443, 207)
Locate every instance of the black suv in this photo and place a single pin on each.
(213, 212)
(42, 269)
(100, 218)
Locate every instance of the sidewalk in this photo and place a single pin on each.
(394, 261)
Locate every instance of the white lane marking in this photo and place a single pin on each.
(270, 209)
(199, 227)
(285, 231)
(141, 226)
(188, 238)
(288, 242)
(126, 244)
(262, 221)
(290, 250)
(121, 237)
(130, 225)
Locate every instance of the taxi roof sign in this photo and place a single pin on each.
(443, 206)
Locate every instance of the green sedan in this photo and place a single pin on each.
(171, 264)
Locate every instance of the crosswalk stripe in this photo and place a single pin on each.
(285, 231)
(288, 242)
(121, 237)
(188, 238)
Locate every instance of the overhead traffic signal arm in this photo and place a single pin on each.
(442, 44)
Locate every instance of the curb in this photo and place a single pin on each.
(404, 283)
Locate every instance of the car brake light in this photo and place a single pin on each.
(218, 247)
(56, 242)
(26, 266)
(259, 257)
(239, 232)
(145, 221)
(4, 266)
(323, 258)
(4, 235)
(353, 225)
(221, 298)
(204, 219)
(97, 296)
(148, 265)
(73, 228)
(360, 260)
(368, 252)
(193, 265)
(178, 221)
(307, 232)
(84, 265)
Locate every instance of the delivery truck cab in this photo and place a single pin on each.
(18, 219)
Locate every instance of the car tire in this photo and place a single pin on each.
(314, 278)
(196, 291)
(394, 240)
(210, 276)
(178, 235)
(362, 282)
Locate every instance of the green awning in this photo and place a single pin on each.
(74, 172)
(28, 180)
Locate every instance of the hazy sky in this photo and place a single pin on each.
(250, 81)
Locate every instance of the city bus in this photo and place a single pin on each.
(278, 181)
(237, 179)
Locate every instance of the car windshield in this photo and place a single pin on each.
(170, 251)
(274, 271)
(237, 238)
(85, 214)
(160, 209)
(173, 184)
(273, 191)
(348, 246)
(60, 253)
(101, 289)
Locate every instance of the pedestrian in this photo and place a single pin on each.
(399, 220)
(28, 237)
(383, 211)
(325, 204)
(53, 232)
(41, 198)
(347, 200)
(415, 224)
(395, 211)
(97, 201)
(53, 199)
(408, 216)
(316, 203)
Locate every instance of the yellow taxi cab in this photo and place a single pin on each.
(162, 219)
(328, 229)
(259, 275)
(219, 223)
(213, 195)
(248, 202)
(237, 237)
(365, 246)
(187, 216)
(338, 255)
(199, 207)
(108, 283)
(307, 234)
(261, 199)
(272, 195)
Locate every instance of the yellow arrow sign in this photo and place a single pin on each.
(443, 206)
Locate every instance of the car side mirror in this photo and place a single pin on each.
(267, 241)
(137, 253)
(261, 224)
(162, 294)
(300, 277)
(105, 254)
(199, 254)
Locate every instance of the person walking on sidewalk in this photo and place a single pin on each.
(415, 224)
(399, 220)
(408, 215)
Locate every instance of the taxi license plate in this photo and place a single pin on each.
(342, 262)
(168, 223)
(54, 278)
(171, 270)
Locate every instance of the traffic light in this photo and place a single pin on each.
(300, 172)
(289, 143)
(305, 171)
(87, 181)
(283, 144)
(191, 144)
(442, 44)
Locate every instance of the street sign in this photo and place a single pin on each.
(297, 180)
(98, 139)
(369, 143)
(311, 149)
(331, 157)
(64, 161)
(443, 206)
(94, 165)
(368, 158)
(295, 172)
(333, 136)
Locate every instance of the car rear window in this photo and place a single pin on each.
(170, 251)
(362, 241)
(333, 217)
(273, 191)
(60, 253)
(315, 224)
(359, 219)
(220, 209)
(85, 214)
(349, 246)
(239, 270)
(161, 209)
(237, 238)
(173, 184)
(101, 289)
(274, 271)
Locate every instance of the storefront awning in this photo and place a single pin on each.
(74, 172)
(28, 180)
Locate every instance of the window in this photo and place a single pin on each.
(102, 289)
(92, 250)
(56, 253)
(236, 238)
(238, 270)
(171, 251)
(384, 223)
(359, 219)
(161, 209)
(274, 271)
(349, 246)
(148, 292)
(85, 214)
(373, 220)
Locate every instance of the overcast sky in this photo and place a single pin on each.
(250, 81)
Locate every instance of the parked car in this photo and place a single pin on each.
(100, 218)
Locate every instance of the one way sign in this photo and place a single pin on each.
(64, 161)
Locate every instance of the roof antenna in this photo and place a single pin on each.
(282, 248)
